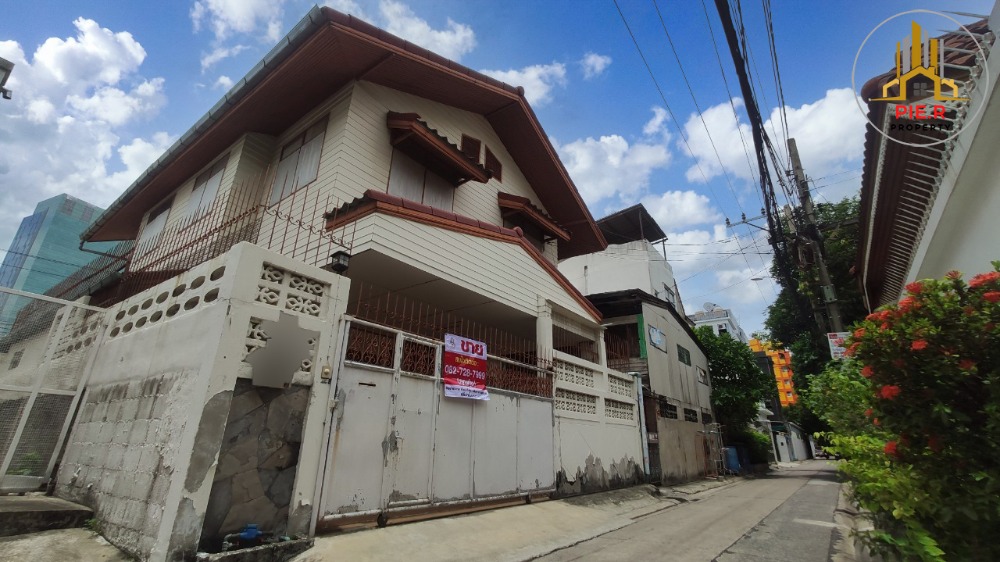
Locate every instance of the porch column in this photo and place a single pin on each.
(602, 348)
(543, 332)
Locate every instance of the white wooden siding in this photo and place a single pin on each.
(499, 270)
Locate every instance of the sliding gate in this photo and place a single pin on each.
(396, 443)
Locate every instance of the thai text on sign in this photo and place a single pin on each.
(464, 367)
(836, 340)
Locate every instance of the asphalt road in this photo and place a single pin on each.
(785, 516)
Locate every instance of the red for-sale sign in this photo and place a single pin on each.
(464, 368)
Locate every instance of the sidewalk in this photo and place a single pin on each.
(510, 534)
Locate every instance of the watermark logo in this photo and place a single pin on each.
(920, 97)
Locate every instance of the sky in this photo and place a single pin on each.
(101, 89)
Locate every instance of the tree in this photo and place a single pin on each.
(738, 383)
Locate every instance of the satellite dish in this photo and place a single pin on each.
(710, 306)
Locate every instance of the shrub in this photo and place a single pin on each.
(929, 469)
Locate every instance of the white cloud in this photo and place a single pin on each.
(73, 99)
(680, 209)
(250, 17)
(223, 83)
(656, 124)
(117, 107)
(594, 65)
(610, 167)
(829, 134)
(219, 54)
(538, 80)
(455, 40)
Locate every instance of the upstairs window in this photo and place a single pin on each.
(492, 165)
(206, 187)
(299, 163)
(683, 355)
(471, 147)
(412, 180)
(154, 226)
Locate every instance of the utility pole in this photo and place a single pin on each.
(813, 239)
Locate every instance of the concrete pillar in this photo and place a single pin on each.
(544, 341)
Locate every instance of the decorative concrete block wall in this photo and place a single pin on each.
(146, 447)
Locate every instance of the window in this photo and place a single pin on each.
(706, 418)
(15, 360)
(690, 415)
(206, 187)
(299, 163)
(702, 375)
(492, 165)
(532, 233)
(667, 410)
(788, 394)
(412, 180)
(683, 355)
(471, 147)
(154, 226)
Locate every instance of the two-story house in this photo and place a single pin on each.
(241, 379)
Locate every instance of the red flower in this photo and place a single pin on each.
(917, 345)
(890, 449)
(860, 332)
(914, 288)
(875, 422)
(954, 274)
(867, 372)
(907, 304)
(873, 316)
(884, 326)
(852, 349)
(992, 296)
(966, 364)
(868, 413)
(984, 278)
(889, 391)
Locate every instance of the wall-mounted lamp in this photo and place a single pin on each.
(5, 69)
(339, 262)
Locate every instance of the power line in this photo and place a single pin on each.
(708, 132)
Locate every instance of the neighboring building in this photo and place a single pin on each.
(780, 362)
(631, 260)
(721, 320)
(45, 250)
(632, 284)
(927, 210)
(234, 378)
(647, 335)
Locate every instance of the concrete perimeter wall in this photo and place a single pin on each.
(145, 447)
(597, 435)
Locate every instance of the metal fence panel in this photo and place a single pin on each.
(45, 347)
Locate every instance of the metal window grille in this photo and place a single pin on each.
(667, 410)
(690, 415)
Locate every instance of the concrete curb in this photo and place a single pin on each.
(847, 546)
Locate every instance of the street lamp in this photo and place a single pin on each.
(5, 69)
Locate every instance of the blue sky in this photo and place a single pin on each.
(102, 88)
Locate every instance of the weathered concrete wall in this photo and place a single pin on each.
(162, 385)
(597, 431)
(682, 450)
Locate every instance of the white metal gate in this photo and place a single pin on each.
(396, 443)
(46, 345)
